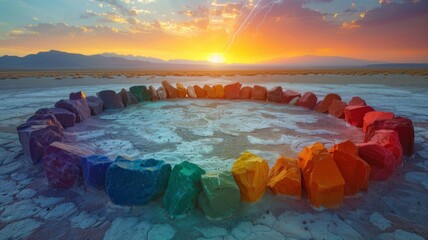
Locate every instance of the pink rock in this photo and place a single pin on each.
(371, 117)
(275, 94)
(232, 91)
(288, 95)
(380, 159)
(354, 115)
(308, 100)
(357, 101)
(124, 95)
(162, 94)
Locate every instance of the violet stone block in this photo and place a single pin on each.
(94, 168)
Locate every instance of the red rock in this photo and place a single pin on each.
(154, 94)
(210, 91)
(354, 115)
(162, 94)
(324, 105)
(200, 92)
(403, 126)
(171, 91)
(294, 101)
(246, 92)
(259, 93)
(232, 91)
(62, 164)
(355, 171)
(357, 101)
(389, 139)
(308, 100)
(275, 94)
(337, 108)
(380, 159)
(371, 117)
(288, 95)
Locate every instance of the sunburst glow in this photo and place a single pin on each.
(216, 58)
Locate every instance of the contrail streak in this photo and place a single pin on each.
(273, 3)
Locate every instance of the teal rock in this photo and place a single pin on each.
(136, 182)
(142, 93)
(220, 196)
(183, 189)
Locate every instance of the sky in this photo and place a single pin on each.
(232, 31)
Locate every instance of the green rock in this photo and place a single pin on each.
(220, 196)
(183, 189)
(142, 93)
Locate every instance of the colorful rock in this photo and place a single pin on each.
(403, 126)
(200, 92)
(110, 99)
(77, 95)
(183, 189)
(162, 94)
(219, 90)
(182, 90)
(46, 119)
(136, 182)
(275, 94)
(354, 115)
(337, 108)
(389, 139)
(124, 95)
(381, 160)
(171, 91)
(232, 91)
(80, 108)
(285, 178)
(94, 168)
(357, 101)
(153, 93)
(308, 100)
(355, 171)
(371, 117)
(323, 181)
(288, 95)
(210, 91)
(246, 92)
(95, 104)
(220, 195)
(325, 104)
(142, 93)
(65, 117)
(191, 92)
(62, 164)
(251, 174)
(131, 98)
(259, 93)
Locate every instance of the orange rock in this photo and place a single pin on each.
(251, 175)
(390, 140)
(219, 90)
(182, 90)
(288, 95)
(232, 91)
(245, 93)
(285, 178)
(275, 94)
(210, 91)
(191, 92)
(170, 90)
(354, 115)
(337, 108)
(259, 93)
(200, 93)
(154, 94)
(323, 181)
(308, 100)
(371, 117)
(355, 171)
(324, 105)
(357, 101)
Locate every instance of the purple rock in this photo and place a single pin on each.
(62, 164)
(46, 119)
(110, 99)
(131, 98)
(95, 104)
(79, 107)
(65, 117)
(77, 95)
(94, 170)
(124, 95)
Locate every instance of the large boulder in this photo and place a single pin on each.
(355, 171)
(288, 95)
(325, 104)
(153, 93)
(136, 182)
(357, 101)
(191, 92)
(381, 160)
(251, 174)
(323, 181)
(403, 126)
(219, 90)
(184, 186)
(259, 93)
(96, 105)
(77, 95)
(162, 94)
(220, 195)
(142, 93)
(285, 178)
(171, 91)
(62, 164)
(200, 92)
(65, 117)
(80, 108)
(308, 100)
(246, 93)
(390, 140)
(275, 94)
(110, 99)
(46, 119)
(182, 90)
(232, 91)
(354, 115)
(210, 91)
(94, 168)
(337, 108)
(371, 117)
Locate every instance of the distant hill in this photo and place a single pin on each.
(320, 61)
(399, 66)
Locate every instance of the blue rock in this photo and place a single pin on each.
(94, 168)
(136, 182)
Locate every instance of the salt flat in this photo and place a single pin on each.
(211, 133)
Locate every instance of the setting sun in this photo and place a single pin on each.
(216, 58)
